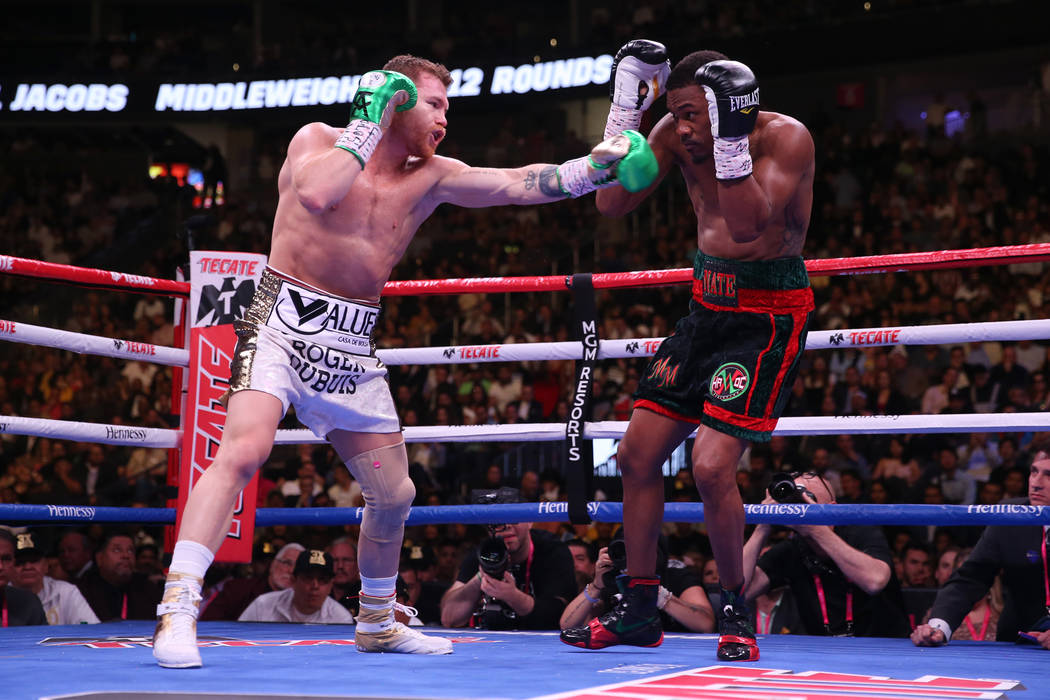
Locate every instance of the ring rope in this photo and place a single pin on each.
(600, 511)
(1036, 329)
(550, 432)
(90, 277)
(898, 262)
(18, 332)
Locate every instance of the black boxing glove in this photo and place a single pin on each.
(639, 74)
(732, 104)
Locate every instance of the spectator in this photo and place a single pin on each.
(1009, 374)
(535, 585)
(530, 486)
(76, 555)
(776, 611)
(847, 456)
(583, 561)
(915, 565)
(423, 590)
(841, 577)
(935, 399)
(1012, 551)
(20, 607)
(529, 409)
(345, 492)
(897, 467)
(307, 599)
(958, 487)
(100, 470)
(236, 594)
(980, 624)
(682, 601)
(62, 602)
(114, 590)
(506, 389)
(848, 394)
(852, 487)
(820, 463)
(346, 577)
(306, 482)
(147, 561)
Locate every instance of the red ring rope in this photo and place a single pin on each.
(973, 257)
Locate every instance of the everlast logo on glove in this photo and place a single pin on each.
(741, 103)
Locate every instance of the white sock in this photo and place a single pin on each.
(379, 587)
(191, 558)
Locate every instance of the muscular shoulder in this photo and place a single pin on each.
(441, 166)
(784, 138)
(315, 135)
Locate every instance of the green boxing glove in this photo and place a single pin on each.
(624, 159)
(378, 94)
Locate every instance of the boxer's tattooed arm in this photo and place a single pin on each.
(794, 234)
(530, 179)
(549, 184)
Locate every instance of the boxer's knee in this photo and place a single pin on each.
(388, 492)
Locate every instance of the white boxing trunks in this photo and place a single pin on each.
(313, 350)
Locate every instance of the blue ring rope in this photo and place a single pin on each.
(780, 514)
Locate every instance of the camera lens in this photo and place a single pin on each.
(493, 557)
(783, 490)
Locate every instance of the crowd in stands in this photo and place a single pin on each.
(231, 37)
(881, 190)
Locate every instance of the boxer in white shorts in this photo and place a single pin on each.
(313, 350)
(350, 200)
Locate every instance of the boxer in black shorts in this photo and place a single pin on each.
(730, 362)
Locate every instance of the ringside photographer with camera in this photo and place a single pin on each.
(841, 577)
(519, 578)
(681, 600)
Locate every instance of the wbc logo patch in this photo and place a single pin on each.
(729, 381)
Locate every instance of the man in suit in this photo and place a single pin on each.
(1020, 553)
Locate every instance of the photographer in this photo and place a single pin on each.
(522, 579)
(841, 577)
(682, 602)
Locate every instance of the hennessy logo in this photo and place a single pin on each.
(307, 312)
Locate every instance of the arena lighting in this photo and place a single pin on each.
(312, 91)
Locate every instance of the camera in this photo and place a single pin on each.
(783, 489)
(493, 558)
(494, 614)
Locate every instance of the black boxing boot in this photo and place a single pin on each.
(635, 620)
(736, 636)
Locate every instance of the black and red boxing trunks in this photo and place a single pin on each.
(731, 362)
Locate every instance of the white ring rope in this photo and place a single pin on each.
(551, 432)
(1037, 329)
(19, 332)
